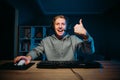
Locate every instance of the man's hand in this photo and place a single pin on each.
(80, 30)
(26, 58)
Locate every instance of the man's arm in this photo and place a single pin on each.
(88, 42)
(88, 45)
(34, 53)
(37, 51)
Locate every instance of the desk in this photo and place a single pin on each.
(111, 71)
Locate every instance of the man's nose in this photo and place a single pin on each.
(60, 26)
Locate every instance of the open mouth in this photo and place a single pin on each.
(60, 30)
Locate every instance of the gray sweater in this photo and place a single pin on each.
(62, 50)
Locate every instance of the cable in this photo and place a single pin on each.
(77, 74)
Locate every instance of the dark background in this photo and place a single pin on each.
(100, 18)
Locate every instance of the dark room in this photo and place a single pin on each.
(29, 26)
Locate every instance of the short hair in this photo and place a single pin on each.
(59, 16)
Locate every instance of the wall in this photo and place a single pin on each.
(6, 31)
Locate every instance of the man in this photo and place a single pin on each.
(61, 46)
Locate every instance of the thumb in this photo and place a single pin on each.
(80, 21)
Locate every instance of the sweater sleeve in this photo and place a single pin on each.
(88, 45)
(37, 51)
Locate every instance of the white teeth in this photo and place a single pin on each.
(60, 30)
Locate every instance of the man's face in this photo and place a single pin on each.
(60, 26)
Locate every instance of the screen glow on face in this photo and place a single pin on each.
(60, 26)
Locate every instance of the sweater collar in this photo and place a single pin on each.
(65, 37)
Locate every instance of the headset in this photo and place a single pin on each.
(68, 29)
(59, 16)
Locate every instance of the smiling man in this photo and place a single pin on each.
(60, 26)
(61, 46)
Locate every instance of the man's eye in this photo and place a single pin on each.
(57, 24)
(63, 23)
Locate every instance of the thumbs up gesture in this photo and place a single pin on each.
(80, 30)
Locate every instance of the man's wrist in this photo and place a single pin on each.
(85, 37)
(29, 57)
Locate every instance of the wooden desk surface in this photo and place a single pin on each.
(111, 71)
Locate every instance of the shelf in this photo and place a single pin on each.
(30, 37)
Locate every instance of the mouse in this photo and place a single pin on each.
(20, 63)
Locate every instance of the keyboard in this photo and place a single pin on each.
(68, 64)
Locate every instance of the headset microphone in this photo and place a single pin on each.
(65, 30)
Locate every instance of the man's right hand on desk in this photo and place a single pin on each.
(26, 58)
